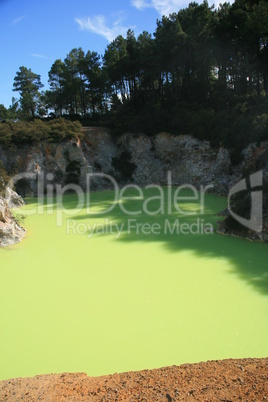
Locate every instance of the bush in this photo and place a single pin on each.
(4, 179)
(28, 132)
(5, 134)
(61, 129)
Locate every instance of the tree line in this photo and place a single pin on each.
(203, 72)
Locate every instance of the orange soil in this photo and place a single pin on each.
(226, 380)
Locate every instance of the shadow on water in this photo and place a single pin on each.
(248, 259)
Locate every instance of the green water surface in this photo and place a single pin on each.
(79, 297)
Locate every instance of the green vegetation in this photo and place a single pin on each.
(203, 72)
(4, 179)
(28, 132)
(28, 84)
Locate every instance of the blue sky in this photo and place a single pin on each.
(34, 33)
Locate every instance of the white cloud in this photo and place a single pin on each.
(98, 25)
(40, 56)
(163, 7)
(166, 7)
(19, 19)
(141, 4)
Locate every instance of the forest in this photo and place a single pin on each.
(203, 72)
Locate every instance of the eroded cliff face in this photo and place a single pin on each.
(188, 160)
(10, 230)
(132, 158)
(64, 162)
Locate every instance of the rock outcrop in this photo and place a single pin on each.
(188, 160)
(255, 160)
(10, 230)
(131, 158)
(13, 199)
(134, 158)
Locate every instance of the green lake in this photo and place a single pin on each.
(78, 294)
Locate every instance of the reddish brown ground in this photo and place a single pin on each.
(227, 380)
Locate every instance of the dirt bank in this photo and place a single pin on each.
(226, 380)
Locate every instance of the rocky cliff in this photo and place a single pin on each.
(131, 158)
(10, 230)
(188, 160)
(134, 158)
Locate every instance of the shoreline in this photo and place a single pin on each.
(219, 380)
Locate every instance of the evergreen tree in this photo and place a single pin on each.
(4, 113)
(28, 84)
(55, 98)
